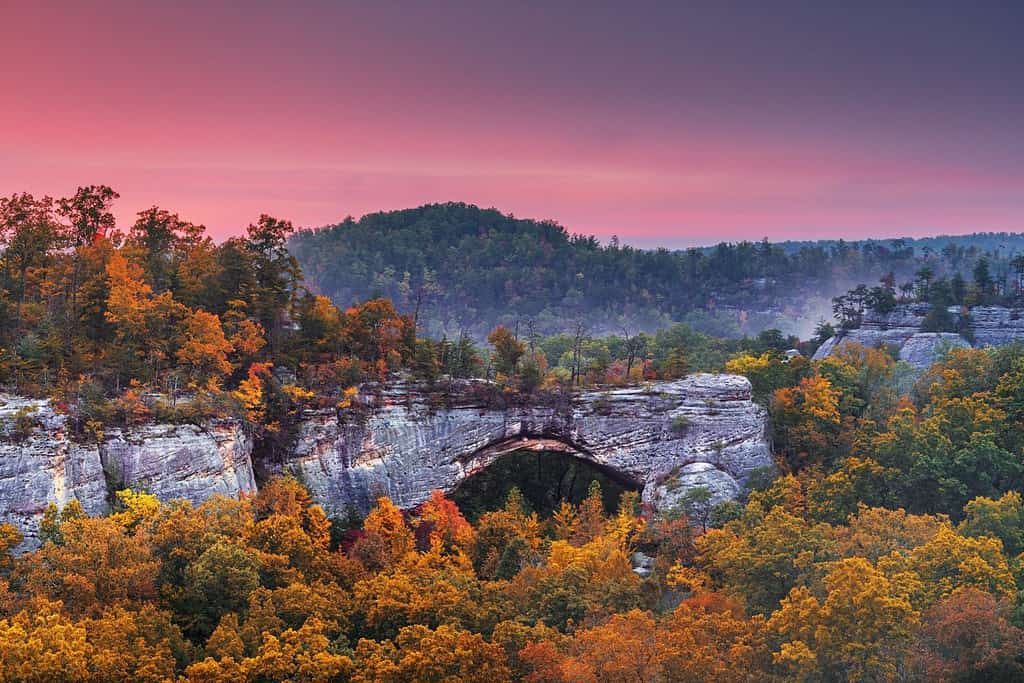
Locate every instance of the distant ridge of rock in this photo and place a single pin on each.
(666, 437)
(984, 326)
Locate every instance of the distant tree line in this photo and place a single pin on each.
(459, 268)
(983, 288)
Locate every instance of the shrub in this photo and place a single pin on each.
(680, 423)
(24, 423)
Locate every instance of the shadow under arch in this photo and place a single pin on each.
(547, 470)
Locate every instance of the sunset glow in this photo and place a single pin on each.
(664, 126)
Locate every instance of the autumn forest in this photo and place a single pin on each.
(887, 543)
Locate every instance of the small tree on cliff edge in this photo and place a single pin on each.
(507, 350)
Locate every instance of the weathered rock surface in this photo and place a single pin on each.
(181, 461)
(924, 348)
(701, 430)
(996, 326)
(43, 467)
(720, 485)
(986, 325)
(643, 564)
(46, 466)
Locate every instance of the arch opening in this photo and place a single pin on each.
(545, 477)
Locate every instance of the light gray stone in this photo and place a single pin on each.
(996, 326)
(44, 467)
(924, 348)
(987, 325)
(669, 494)
(643, 564)
(170, 461)
(186, 461)
(643, 435)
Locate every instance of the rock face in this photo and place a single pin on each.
(996, 326)
(703, 430)
(40, 464)
(924, 348)
(986, 325)
(181, 461)
(669, 437)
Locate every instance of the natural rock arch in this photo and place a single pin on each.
(547, 470)
(665, 438)
(482, 458)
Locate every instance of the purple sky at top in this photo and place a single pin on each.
(669, 124)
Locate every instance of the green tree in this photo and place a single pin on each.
(219, 582)
(983, 279)
(31, 231)
(1001, 518)
(276, 273)
(88, 214)
(158, 232)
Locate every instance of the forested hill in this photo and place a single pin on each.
(463, 268)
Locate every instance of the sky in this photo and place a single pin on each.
(671, 124)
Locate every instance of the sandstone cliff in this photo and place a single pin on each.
(703, 430)
(40, 463)
(667, 437)
(181, 461)
(985, 325)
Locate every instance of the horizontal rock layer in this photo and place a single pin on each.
(986, 325)
(666, 437)
(404, 449)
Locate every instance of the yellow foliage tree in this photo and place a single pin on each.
(859, 632)
(204, 350)
(386, 538)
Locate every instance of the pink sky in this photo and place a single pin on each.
(320, 111)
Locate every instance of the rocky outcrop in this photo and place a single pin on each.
(703, 430)
(180, 461)
(983, 326)
(667, 438)
(924, 348)
(41, 464)
(996, 326)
